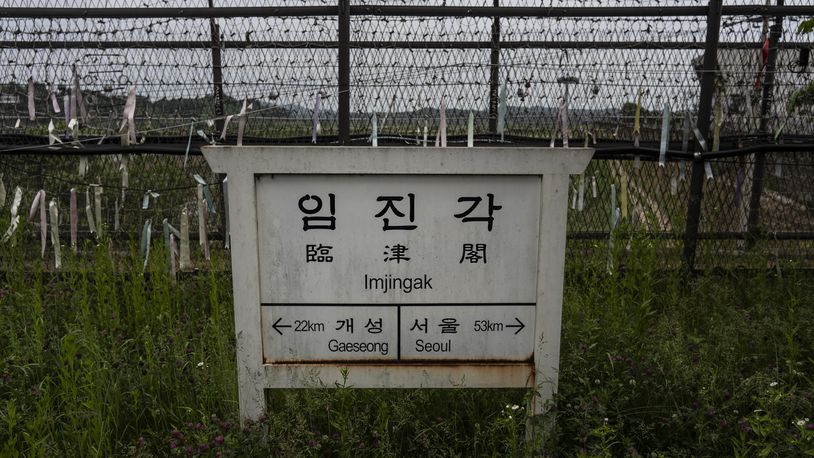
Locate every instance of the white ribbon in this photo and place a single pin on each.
(316, 128)
(129, 114)
(581, 193)
(173, 251)
(613, 219)
(564, 119)
(77, 94)
(83, 165)
(241, 120)
(593, 186)
(201, 215)
(116, 216)
(700, 138)
(470, 131)
(189, 144)
(441, 135)
(425, 134)
(146, 234)
(125, 177)
(15, 218)
(89, 212)
(53, 96)
(374, 128)
(32, 113)
(225, 126)
(17, 124)
(501, 109)
(206, 139)
(145, 202)
(35, 204)
(74, 219)
(52, 138)
(227, 243)
(39, 203)
(184, 260)
(665, 135)
(210, 201)
(54, 212)
(708, 170)
(97, 200)
(66, 102)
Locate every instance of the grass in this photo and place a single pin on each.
(104, 358)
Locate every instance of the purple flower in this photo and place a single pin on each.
(203, 448)
(810, 426)
(312, 443)
(173, 445)
(219, 439)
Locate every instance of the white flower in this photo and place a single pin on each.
(200, 364)
(515, 407)
(773, 384)
(802, 422)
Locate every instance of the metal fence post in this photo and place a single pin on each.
(343, 61)
(767, 100)
(217, 71)
(217, 100)
(494, 72)
(709, 74)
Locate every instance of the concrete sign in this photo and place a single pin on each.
(411, 267)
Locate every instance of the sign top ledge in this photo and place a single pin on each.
(407, 160)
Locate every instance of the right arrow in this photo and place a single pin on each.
(277, 325)
(519, 325)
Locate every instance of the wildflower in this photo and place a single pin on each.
(200, 364)
(801, 422)
(312, 443)
(141, 441)
(203, 448)
(173, 445)
(773, 384)
(515, 407)
(219, 439)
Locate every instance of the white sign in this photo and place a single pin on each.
(377, 239)
(411, 267)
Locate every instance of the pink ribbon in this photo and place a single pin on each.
(74, 219)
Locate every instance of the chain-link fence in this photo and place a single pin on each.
(528, 72)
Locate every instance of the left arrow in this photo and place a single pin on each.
(519, 326)
(277, 325)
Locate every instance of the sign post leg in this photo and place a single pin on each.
(245, 284)
(551, 271)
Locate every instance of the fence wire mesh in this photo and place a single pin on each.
(613, 75)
